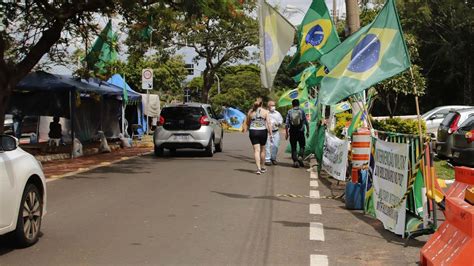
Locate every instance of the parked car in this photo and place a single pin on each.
(29, 125)
(450, 125)
(434, 117)
(463, 143)
(188, 125)
(22, 193)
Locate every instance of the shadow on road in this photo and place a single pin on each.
(7, 246)
(385, 234)
(292, 224)
(242, 196)
(245, 170)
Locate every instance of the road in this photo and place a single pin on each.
(191, 209)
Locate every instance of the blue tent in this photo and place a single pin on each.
(118, 81)
(234, 118)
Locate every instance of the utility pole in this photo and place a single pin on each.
(352, 12)
(334, 12)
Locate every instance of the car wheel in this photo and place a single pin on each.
(159, 151)
(29, 217)
(220, 147)
(210, 149)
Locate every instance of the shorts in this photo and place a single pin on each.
(258, 136)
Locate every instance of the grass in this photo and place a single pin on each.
(443, 170)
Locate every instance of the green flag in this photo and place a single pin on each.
(300, 93)
(316, 35)
(103, 51)
(374, 53)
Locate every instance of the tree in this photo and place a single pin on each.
(240, 86)
(31, 29)
(219, 39)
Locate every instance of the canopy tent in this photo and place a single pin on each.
(93, 104)
(133, 116)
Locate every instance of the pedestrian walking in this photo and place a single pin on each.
(295, 124)
(258, 125)
(276, 120)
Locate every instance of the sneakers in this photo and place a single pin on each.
(296, 165)
(268, 163)
(258, 172)
(274, 162)
(301, 163)
(263, 170)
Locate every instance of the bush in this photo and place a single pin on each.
(398, 125)
(342, 119)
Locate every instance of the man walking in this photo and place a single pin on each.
(295, 124)
(272, 144)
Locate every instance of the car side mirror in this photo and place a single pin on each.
(8, 143)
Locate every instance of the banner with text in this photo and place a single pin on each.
(335, 156)
(390, 184)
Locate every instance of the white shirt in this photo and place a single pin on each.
(275, 119)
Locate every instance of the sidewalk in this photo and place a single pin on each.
(61, 168)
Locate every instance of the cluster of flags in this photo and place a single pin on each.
(372, 54)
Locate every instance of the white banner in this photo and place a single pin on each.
(335, 156)
(390, 184)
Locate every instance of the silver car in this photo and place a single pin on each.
(188, 125)
(434, 117)
(450, 125)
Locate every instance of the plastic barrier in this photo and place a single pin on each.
(360, 151)
(453, 243)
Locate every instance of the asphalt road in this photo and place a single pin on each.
(191, 209)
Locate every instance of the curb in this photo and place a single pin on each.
(102, 164)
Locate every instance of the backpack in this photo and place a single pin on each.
(296, 118)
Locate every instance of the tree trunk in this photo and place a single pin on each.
(207, 84)
(352, 13)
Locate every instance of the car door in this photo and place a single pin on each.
(435, 120)
(214, 124)
(7, 188)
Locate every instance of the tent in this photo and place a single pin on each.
(93, 104)
(234, 118)
(133, 115)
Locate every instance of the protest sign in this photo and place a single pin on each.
(335, 156)
(390, 184)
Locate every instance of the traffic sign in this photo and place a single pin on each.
(147, 79)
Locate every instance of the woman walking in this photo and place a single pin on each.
(259, 128)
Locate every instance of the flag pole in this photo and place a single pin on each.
(422, 144)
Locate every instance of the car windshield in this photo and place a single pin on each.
(178, 112)
(468, 124)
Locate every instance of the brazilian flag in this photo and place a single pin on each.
(316, 35)
(311, 76)
(372, 54)
(103, 51)
(300, 93)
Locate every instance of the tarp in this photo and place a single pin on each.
(234, 118)
(154, 108)
(118, 81)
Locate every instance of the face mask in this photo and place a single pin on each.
(273, 108)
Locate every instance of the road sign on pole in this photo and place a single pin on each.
(147, 79)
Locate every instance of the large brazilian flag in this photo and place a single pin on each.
(300, 93)
(372, 54)
(316, 34)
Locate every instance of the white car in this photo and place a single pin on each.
(22, 193)
(434, 117)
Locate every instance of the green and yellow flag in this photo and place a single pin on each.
(316, 35)
(300, 93)
(374, 53)
(103, 51)
(311, 76)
